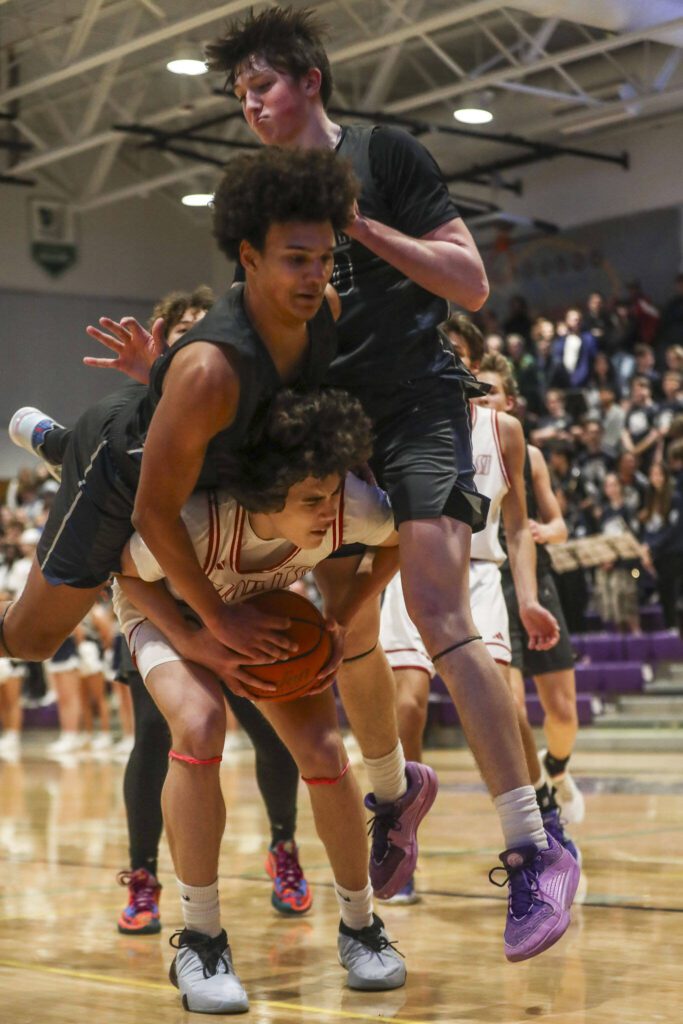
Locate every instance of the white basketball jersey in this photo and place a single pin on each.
(240, 564)
(491, 479)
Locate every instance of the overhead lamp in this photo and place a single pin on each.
(185, 62)
(198, 199)
(473, 115)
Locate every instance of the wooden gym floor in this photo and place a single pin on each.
(63, 838)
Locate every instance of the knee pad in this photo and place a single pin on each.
(327, 782)
(173, 755)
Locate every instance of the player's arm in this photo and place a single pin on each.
(200, 398)
(445, 261)
(541, 626)
(135, 349)
(552, 528)
(192, 642)
(384, 564)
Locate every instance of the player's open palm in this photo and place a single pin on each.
(541, 626)
(135, 348)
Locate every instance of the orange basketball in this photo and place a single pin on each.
(295, 675)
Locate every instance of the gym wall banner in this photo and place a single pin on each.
(52, 232)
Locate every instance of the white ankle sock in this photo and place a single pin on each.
(520, 818)
(387, 775)
(355, 907)
(201, 907)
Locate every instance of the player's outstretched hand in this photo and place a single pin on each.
(134, 347)
(254, 635)
(541, 626)
(328, 672)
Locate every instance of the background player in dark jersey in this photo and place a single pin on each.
(407, 254)
(207, 394)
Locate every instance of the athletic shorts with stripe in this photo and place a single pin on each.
(402, 643)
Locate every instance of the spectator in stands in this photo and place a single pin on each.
(566, 480)
(673, 358)
(555, 425)
(616, 590)
(525, 374)
(671, 323)
(662, 519)
(602, 376)
(624, 338)
(518, 320)
(594, 463)
(644, 312)
(550, 374)
(633, 483)
(612, 417)
(598, 321)
(672, 404)
(494, 343)
(640, 434)
(645, 367)
(575, 350)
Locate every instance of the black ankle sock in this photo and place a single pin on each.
(280, 834)
(556, 765)
(545, 798)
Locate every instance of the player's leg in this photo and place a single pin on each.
(412, 701)
(191, 700)
(11, 712)
(402, 792)
(277, 777)
(310, 729)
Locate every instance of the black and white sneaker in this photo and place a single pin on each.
(28, 428)
(370, 958)
(202, 970)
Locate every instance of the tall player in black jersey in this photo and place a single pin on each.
(277, 211)
(405, 255)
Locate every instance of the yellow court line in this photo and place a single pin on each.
(107, 979)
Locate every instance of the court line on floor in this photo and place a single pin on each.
(134, 983)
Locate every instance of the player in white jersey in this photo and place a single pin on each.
(498, 451)
(291, 503)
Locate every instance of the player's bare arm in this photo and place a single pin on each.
(552, 528)
(540, 625)
(135, 348)
(200, 398)
(445, 261)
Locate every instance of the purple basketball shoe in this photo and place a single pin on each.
(543, 884)
(394, 830)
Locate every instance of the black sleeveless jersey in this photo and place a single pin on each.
(543, 561)
(227, 324)
(388, 327)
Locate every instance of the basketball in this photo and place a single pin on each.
(294, 675)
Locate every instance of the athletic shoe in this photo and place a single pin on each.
(291, 893)
(68, 743)
(10, 746)
(202, 970)
(394, 830)
(28, 428)
(553, 823)
(141, 916)
(569, 796)
(370, 958)
(101, 743)
(542, 885)
(405, 896)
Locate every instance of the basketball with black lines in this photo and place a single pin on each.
(295, 675)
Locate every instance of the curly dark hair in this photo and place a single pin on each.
(288, 39)
(277, 186)
(305, 434)
(172, 307)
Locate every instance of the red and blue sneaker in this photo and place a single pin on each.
(291, 893)
(141, 916)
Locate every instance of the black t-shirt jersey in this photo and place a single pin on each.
(388, 326)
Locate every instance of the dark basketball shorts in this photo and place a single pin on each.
(537, 663)
(423, 451)
(90, 519)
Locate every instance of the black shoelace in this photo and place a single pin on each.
(523, 888)
(210, 951)
(379, 827)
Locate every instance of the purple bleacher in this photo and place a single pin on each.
(666, 645)
(651, 618)
(638, 647)
(588, 679)
(603, 647)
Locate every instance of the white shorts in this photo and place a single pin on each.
(11, 670)
(402, 642)
(89, 658)
(149, 648)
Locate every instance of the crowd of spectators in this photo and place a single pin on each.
(601, 393)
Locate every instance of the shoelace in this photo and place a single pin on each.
(288, 869)
(210, 951)
(372, 937)
(143, 889)
(523, 888)
(379, 827)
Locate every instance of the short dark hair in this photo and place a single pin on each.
(469, 332)
(289, 39)
(277, 186)
(495, 362)
(173, 306)
(305, 434)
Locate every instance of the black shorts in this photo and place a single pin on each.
(423, 451)
(90, 518)
(537, 663)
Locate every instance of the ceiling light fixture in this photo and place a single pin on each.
(473, 115)
(185, 61)
(198, 199)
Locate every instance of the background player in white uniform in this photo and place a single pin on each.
(498, 450)
(243, 552)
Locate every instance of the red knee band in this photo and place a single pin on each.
(173, 755)
(327, 782)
